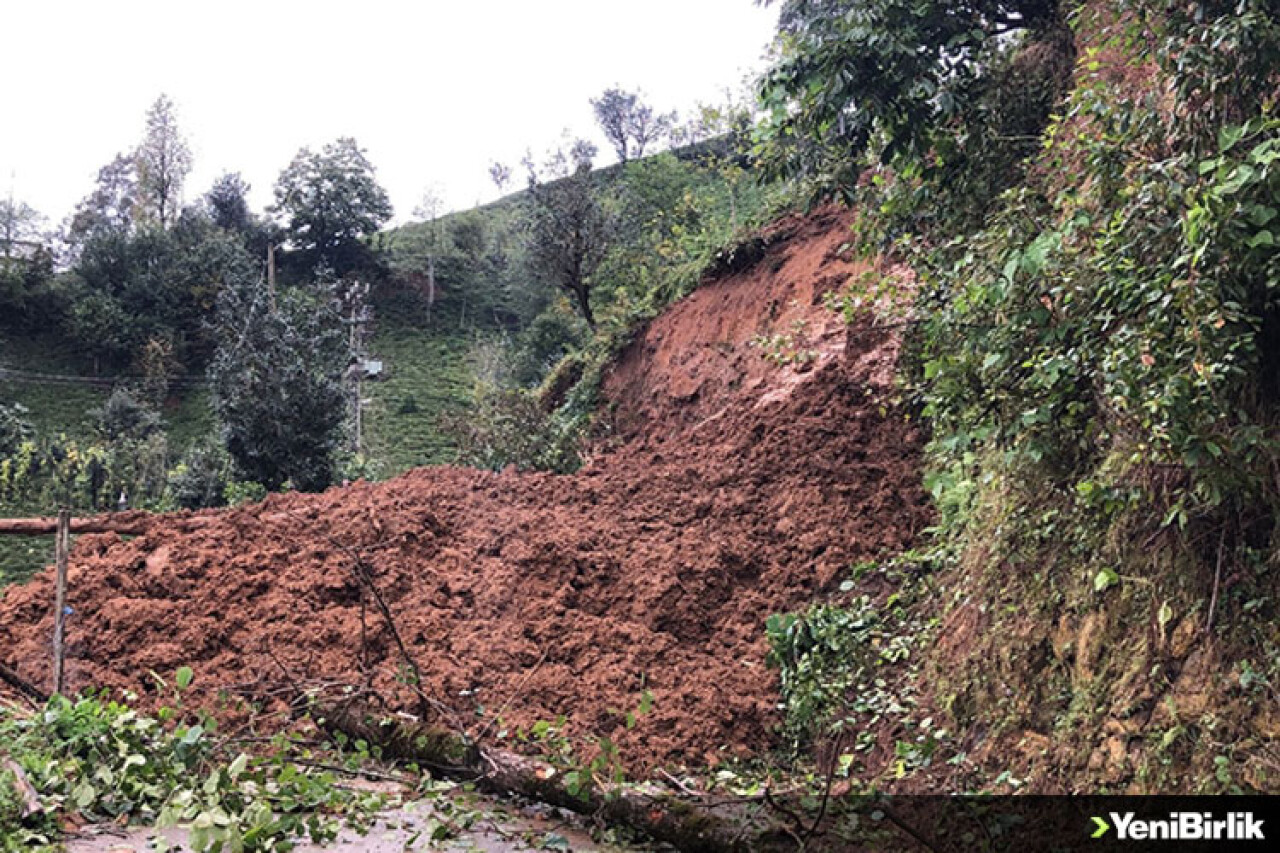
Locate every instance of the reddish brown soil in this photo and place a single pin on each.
(727, 488)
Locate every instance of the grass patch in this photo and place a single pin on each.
(427, 377)
(23, 556)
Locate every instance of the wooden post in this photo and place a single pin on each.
(61, 549)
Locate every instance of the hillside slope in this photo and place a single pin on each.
(728, 486)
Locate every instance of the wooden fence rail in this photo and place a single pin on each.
(124, 523)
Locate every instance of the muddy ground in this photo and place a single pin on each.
(731, 478)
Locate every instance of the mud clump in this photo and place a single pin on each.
(729, 483)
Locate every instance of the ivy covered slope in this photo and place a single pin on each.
(1087, 197)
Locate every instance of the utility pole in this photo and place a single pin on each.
(271, 273)
(358, 360)
(358, 318)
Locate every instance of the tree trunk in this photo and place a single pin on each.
(431, 283)
(584, 303)
(692, 824)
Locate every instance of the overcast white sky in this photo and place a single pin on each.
(435, 91)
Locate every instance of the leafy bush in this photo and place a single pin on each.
(15, 427)
(202, 477)
(125, 417)
(822, 655)
(238, 492)
(277, 384)
(551, 336)
(510, 427)
(1133, 315)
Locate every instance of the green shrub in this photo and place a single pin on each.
(202, 476)
(821, 654)
(15, 427)
(509, 427)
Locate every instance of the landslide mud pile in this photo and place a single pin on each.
(728, 486)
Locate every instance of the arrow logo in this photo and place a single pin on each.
(1102, 829)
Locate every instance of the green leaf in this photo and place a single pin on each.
(238, 766)
(1229, 136)
(1207, 166)
(1104, 579)
(83, 795)
(182, 678)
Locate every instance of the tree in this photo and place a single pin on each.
(329, 201)
(429, 210)
(629, 124)
(228, 201)
(569, 229)
(163, 162)
(20, 228)
(111, 205)
(131, 286)
(897, 72)
(277, 383)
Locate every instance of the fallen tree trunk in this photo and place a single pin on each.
(124, 523)
(691, 824)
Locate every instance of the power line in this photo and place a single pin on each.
(389, 384)
(8, 374)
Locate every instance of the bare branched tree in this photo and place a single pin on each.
(163, 163)
(630, 125)
(569, 229)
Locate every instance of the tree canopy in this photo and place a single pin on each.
(277, 383)
(330, 201)
(885, 73)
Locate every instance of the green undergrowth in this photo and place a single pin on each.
(850, 672)
(101, 761)
(1093, 347)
